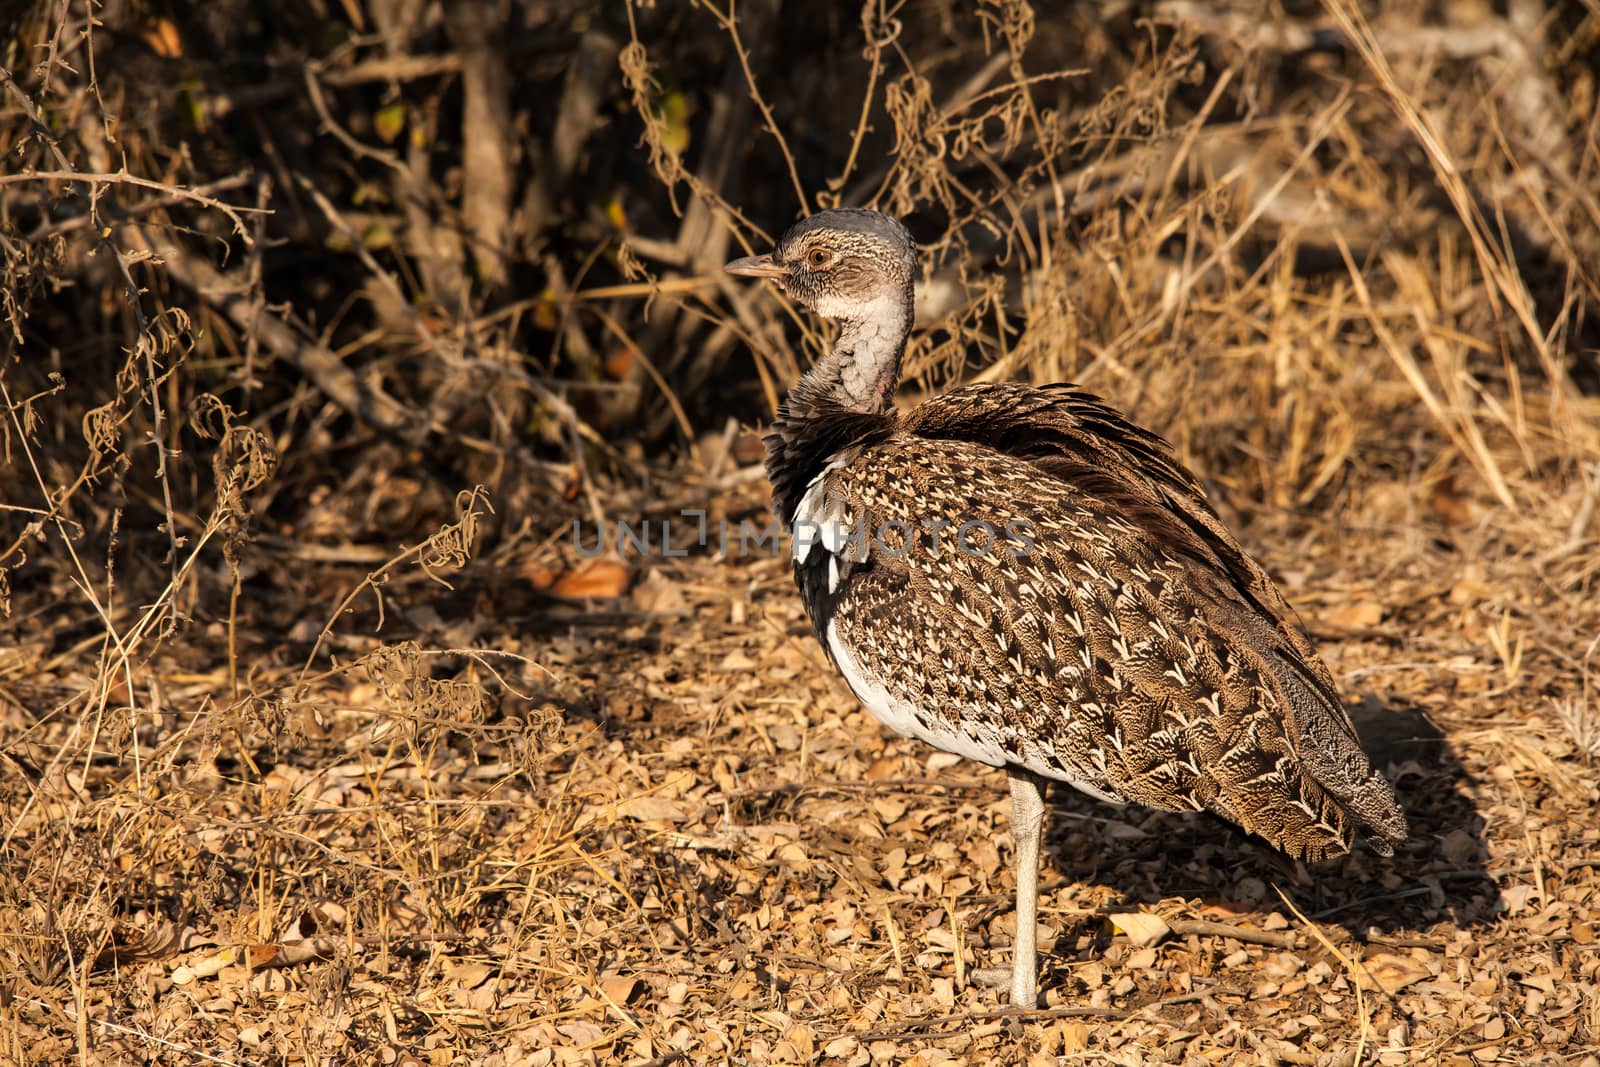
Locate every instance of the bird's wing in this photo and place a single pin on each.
(1076, 437)
(1113, 649)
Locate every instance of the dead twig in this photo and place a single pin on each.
(173, 192)
(1496, 264)
(1248, 934)
(729, 21)
(200, 194)
(359, 397)
(918, 1028)
(384, 69)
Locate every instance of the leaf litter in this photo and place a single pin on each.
(417, 805)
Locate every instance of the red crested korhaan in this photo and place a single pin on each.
(1021, 576)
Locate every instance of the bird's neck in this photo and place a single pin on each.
(861, 371)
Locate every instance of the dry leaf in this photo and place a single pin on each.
(616, 214)
(1117, 830)
(1141, 927)
(653, 807)
(748, 448)
(658, 594)
(582, 1034)
(329, 913)
(1393, 972)
(1358, 615)
(573, 484)
(1514, 899)
(468, 975)
(801, 1037)
(1226, 909)
(619, 364)
(539, 575)
(882, 769)
(287, 953)
(620, 988)
(183, 975)
(1452, 505)
(736, 662)
(162, 37)
(594, 579)
(389, 122)
(1142, 960)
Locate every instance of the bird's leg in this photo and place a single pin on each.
(1027, 823)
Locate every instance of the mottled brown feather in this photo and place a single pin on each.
(1189, 686)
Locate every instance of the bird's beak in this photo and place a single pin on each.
(755, 267)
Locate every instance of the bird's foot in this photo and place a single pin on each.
(991, 977)
(1024, 994)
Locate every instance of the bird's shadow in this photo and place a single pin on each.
(1437, 876)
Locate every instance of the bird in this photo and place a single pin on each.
(1024, 577)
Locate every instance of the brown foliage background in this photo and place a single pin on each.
(323, 322)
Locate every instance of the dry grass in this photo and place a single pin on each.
(311, 756)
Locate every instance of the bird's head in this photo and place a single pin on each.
(850, 264)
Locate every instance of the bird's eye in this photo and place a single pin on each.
(817, 258)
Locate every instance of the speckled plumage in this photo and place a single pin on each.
(1132, 649)
(1113, 634)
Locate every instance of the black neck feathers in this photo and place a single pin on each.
(812, 428)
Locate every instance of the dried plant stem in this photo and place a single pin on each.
(366, 401)
(171, 193)
(1496, 265)
(1461, 430)
(1350, 966)
(875, 47)
(730, 25)
(70, 225)
(453, 539)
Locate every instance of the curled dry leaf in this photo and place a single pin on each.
(1141, 927)
(211, 965)
(287, 953)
